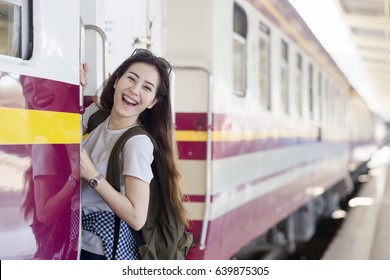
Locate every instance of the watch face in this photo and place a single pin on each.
(93, 183)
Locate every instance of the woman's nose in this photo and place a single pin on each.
(136, 88)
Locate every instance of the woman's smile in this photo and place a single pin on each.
(128, 100)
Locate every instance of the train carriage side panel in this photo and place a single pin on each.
(40, 130)
(188, 38)
(262, 167)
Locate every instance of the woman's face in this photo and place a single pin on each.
(136, 90)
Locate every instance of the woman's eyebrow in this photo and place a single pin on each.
(131, 72)
(135, 74)
(150, 83)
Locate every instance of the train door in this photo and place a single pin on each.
(189, 49)
(40, 129)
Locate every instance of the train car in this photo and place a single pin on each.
(40, 129)
(268, 128)
(263, 117)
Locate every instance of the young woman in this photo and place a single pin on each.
(136, 94)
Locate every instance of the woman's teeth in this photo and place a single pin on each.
(129, 100)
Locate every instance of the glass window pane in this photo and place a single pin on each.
(238, 68)
(264, 68)
(10, 30)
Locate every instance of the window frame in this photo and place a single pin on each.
(284, 74)
(240, 31)
(264, 63)
(25, 39)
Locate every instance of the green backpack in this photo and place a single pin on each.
(163, 237)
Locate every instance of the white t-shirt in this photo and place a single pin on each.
(136, 160)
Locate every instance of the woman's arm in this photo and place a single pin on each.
(131, 207)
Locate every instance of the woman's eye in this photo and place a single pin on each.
(131, 78)
(148, 88)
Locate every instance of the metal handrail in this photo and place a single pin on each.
(81, 57)
(104, 45)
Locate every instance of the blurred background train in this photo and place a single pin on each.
(271, 135)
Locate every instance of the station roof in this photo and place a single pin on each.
(356, 33)
(369, 24)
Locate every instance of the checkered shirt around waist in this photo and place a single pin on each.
(102, 224)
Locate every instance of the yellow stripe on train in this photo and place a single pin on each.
(220, 136)
(20, 126)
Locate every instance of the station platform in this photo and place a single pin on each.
(364, 233)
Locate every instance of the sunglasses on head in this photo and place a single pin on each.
(158, 61)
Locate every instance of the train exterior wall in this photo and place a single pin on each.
(247, 165)
(262, 166)
(40, 132)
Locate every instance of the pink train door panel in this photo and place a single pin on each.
(39, 131)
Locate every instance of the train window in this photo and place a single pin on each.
(284, 77)
(240, 21)
(15, 28)
(343, 108)
(340, 107)
(239, 68)
(331, 105)
(298, 85)
(264, 67)
(326, 101)
(337, 106)
(240, 26)
(319, 96)
(311, 93)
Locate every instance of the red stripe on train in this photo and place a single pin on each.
(195, 150)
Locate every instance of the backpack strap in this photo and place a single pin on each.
(97, 118)
(113, 161)
(113, 177)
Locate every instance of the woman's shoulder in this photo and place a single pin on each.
(140, 143)
(89, 111)
(92, 108)
(140, 140)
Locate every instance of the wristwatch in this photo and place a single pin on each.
(95, 181)
(73, 182)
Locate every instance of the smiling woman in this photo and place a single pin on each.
(136, 94)
(135, 90)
